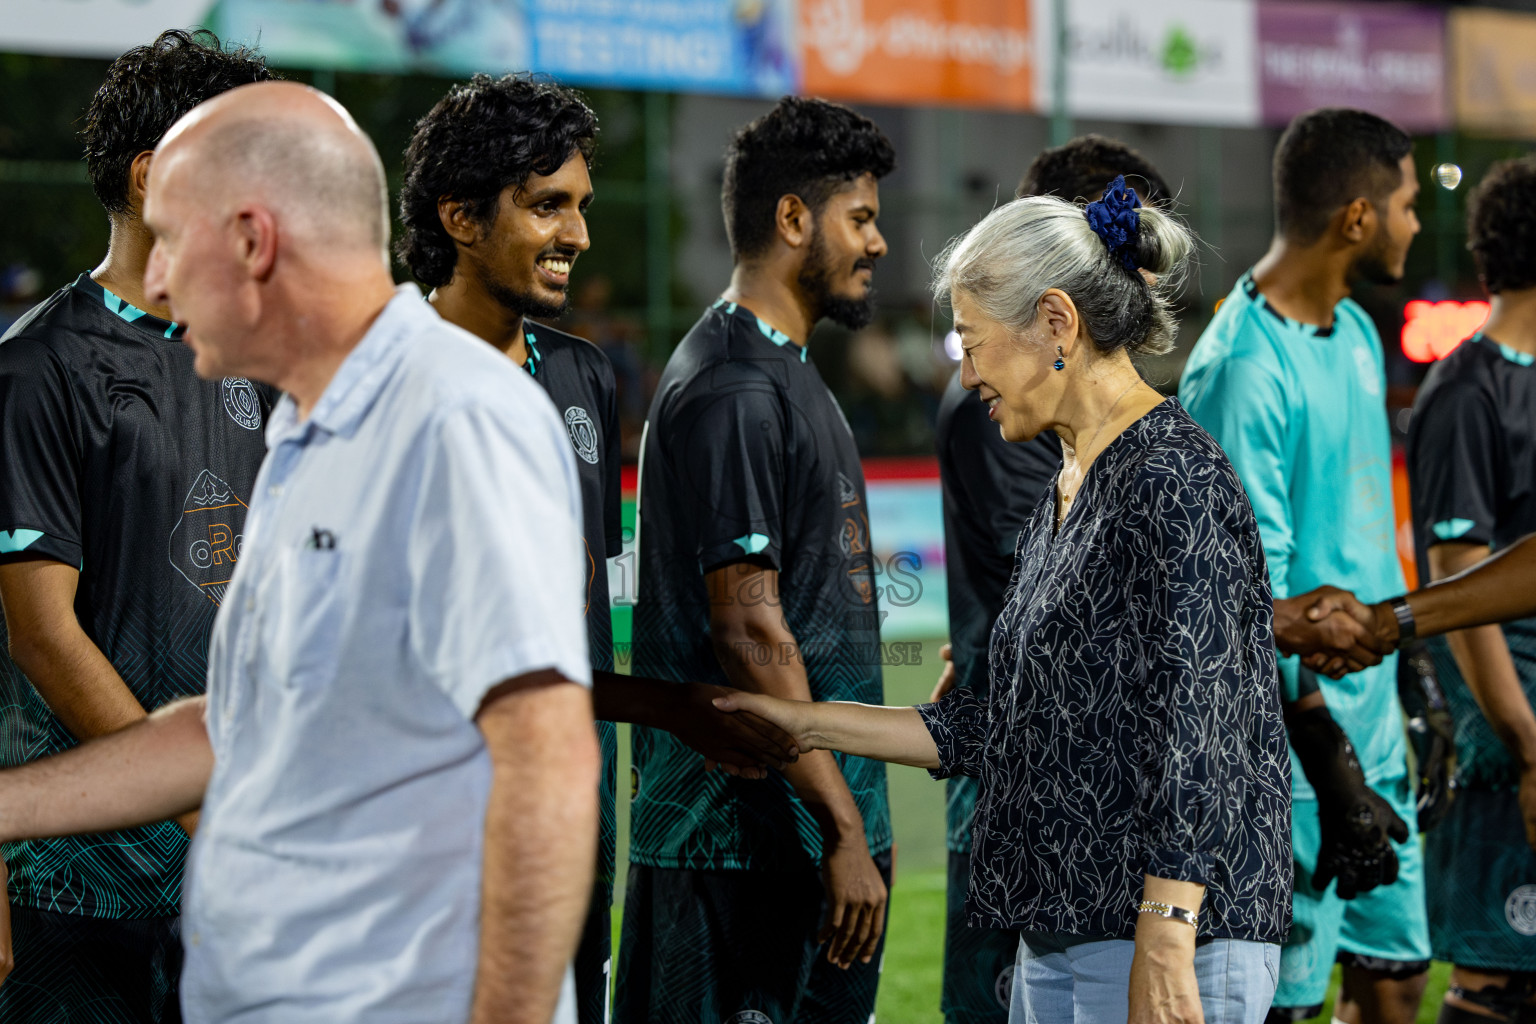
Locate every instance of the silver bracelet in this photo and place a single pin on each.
(1189, 917)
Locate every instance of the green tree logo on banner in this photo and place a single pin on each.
(1180, 54)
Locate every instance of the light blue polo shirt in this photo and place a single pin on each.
(410, 545)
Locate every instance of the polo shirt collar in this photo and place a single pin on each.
(361, 376)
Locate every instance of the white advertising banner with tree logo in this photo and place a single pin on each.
(1169, 61)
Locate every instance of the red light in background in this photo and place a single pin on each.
(1431, 330)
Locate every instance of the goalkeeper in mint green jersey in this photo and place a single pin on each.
(1289, 378)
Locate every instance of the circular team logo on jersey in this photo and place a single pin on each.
(241, 402)
(1003, 988)
(583, 433)
(1520, 910)
(749, 1017)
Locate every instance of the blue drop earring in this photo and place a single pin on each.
(1060, 363)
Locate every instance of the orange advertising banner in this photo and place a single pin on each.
(965, 52)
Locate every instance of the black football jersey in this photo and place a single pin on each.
(1472, 479)
(122, 462)
(578, 378)
(747, 457)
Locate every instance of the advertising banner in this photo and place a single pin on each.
(1493, 71)
(725, 46)
(1384, 58)
(967, 52)
(1170, 61)
(92, 28)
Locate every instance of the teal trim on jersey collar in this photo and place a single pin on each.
(535, 357)
(770, 332)
(1514, 355)
(128, 312)
(1252, 291)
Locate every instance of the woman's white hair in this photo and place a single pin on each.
(1018, 251)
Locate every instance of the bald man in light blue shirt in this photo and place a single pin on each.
(396, 762)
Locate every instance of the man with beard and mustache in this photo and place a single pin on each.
(756, 571)
(497, 185)
(1289, 378)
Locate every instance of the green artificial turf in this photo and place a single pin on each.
(914, 949)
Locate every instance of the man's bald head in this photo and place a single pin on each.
(294, 151)
(268, 208)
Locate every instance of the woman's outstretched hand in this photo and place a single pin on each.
(789, 715)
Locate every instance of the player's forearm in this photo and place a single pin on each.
(80, 686)
(1482, 655)
(638, 700)
(540, 842)
(1498, 589)
(151, 771)
(815, 776)
(76, 680)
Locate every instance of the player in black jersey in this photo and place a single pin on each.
(122, 499)
(990, 488)
(496, 189)
(1472, 475)
(756, 570)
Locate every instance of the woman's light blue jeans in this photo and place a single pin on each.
(1086, 983)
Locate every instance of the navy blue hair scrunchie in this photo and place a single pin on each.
(1115, 220)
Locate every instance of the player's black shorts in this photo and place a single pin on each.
(1481, 882)
(594, 960)
(978, 962)
(735, 947)
(72, 969)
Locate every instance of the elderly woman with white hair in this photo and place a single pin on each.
(1134, 815)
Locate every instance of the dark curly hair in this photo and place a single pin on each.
(1501, 226)
(804, 147)
(147, 90)
(1082, 168)
(480, 138)
(1327, 159)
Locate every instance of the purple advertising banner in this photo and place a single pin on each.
(1385, 58)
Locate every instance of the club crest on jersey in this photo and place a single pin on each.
(583, 433)
(242, 403)
(1002, 988)
(206, 541)
(1520, 910)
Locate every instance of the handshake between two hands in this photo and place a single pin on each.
(1333, 631)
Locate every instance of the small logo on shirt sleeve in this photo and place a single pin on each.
(242, 402)
(583, 433)
(1450, 529)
